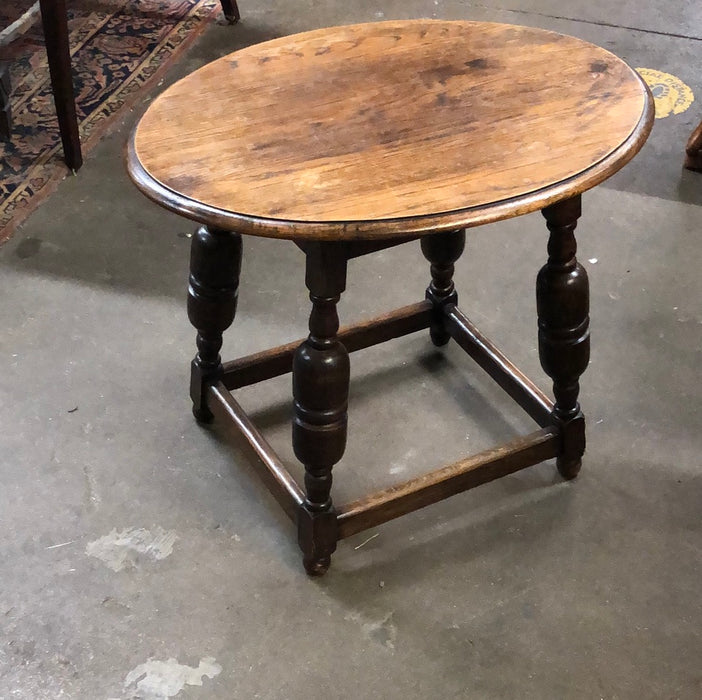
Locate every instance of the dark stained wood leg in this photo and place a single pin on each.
(562, 299)
(55, 22)
(442, 250)
(5, 106)
(215, 264)
(320, 391)
(231, 11)
(693, 151)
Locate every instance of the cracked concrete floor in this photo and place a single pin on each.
(140, 556)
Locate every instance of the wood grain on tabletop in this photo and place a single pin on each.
(389, 121)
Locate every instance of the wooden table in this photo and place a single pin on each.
(354, 139)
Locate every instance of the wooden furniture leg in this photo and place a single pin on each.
(442, 250)
(55, 22)
(693, 151)
(5, 107)
(215, 264)
(562, 299)
(320, 391)
(231, 11)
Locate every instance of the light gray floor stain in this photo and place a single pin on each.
(381, 630)
(121, 550)
(156, 680)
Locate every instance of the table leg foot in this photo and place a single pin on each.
(562, 299)
(202, 416)
(215, 264)
(442, 250)
(568, 470)
(317, 567)
(320, 389)
(317, 537)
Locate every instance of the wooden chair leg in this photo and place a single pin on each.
(562, 301)
(231, 11)
(55, 22)
(5, 106)
(693, 151)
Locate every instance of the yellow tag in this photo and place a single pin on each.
(670, 94)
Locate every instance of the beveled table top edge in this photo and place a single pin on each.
(390, 228)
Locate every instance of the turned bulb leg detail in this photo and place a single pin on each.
(320, 390)
(215, 264)
(442, 250)
(562, 299)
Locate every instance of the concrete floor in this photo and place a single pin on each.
(142, 558)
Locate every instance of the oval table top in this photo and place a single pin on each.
(382, 129)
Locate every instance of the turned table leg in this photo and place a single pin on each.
(442, 250)
(320, 391)
(562, 299)
(215, 264)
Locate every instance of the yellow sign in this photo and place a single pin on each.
(670, 94)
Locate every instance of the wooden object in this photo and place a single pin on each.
(693, 151)
(281, 484)
(442, 251)
(231, 11)
(473, 471)
(356, 139)
(215, 264)
(55, 24)
(563, 305)
(272, 363)
(5, 106)
(341, 133)
(320, 391)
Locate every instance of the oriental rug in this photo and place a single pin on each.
(119, 48)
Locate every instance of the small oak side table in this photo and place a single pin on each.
(353, 139)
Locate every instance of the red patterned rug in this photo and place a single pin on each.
(119, 47)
